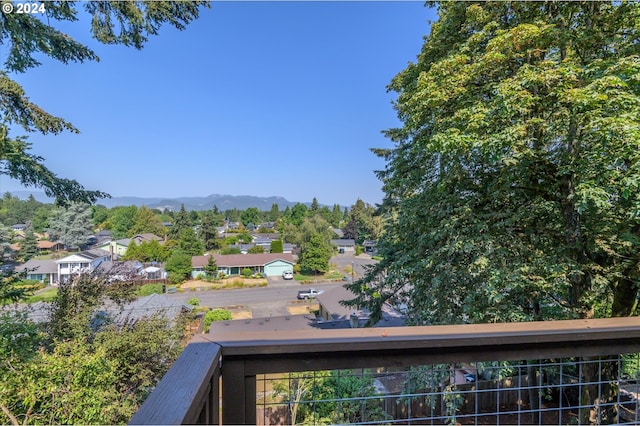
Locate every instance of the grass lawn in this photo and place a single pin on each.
(46, 295)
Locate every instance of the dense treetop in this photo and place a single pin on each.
(512, 189)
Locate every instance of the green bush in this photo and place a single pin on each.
(149, 289)
(216, 315)
(194, 301)
(246, 272)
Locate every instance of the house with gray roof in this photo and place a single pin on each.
(40, 270)
(270, 264)
(145, 307)
(82, 262)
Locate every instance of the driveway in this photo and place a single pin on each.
(345, 260)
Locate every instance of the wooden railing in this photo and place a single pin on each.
(190, 391)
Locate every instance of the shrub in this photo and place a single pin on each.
(149, 289)
(216, 315)
(194, 301)
(246, 272)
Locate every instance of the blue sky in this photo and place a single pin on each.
(253, 98)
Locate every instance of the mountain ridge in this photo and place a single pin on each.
(222, 201)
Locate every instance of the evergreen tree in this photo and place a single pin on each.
(181, 222)
(314, 205)
(211, 268)
(27, 36)
(208, 232)
(29, 246)
(276, 246)
(71, 225)
(190, 243)
(274, 214)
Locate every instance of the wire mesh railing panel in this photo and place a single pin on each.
(593, 390)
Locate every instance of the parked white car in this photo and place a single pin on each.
(287, 275)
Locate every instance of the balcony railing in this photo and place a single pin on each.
(215, 379)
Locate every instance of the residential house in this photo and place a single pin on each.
(269, 264)
(45, 271)
(49, 246)
(117, 247)
(344, 245)
(148, 237)
(82, 262)
(370, 246)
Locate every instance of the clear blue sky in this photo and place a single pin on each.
(253, 98)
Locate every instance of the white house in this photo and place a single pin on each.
(83, 262)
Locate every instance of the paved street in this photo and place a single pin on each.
(273, 299)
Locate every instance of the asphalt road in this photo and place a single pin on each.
(273, 299)
(262, 301)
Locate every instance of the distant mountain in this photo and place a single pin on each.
(223, 202)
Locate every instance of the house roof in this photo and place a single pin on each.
(39, 267)
(343, 242)
(288, 323)
(146, 237)
(45, 245)
(330, 301)
(147, 306)
(87, 254)
(240, 260)
(126, 267)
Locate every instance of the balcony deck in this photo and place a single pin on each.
(190, 392)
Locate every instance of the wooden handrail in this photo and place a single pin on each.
(189, 392)
(250, 353)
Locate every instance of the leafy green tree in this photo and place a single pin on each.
(296, 214)
(512, 188)
(99, 215)
(230, 250)
(146, 221)
(40, 218)
(121, 220)
(250, 215)
(276, 246)
(133, 252)
(178, 266)
(81, 368)
(152, 251)
(256, 250)
(26, 37)
(315, 255)
(314, 205)
(71, 225)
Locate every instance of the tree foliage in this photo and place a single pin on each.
(512, 190)
(71, 224)
(26, 37)
(80, 367)
(315, 255)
